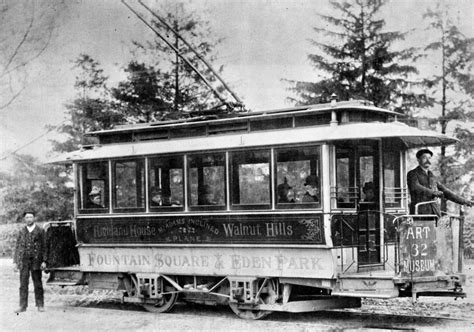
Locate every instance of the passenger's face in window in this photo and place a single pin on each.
(312, 190)
(369, 195)
(157, 198)
(96, 199)
(209, 198)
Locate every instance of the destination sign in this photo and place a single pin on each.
(418, 248)
(204, 229)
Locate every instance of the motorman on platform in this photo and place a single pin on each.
(425, 187)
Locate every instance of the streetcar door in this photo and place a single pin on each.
(368, 209)
(357, 182)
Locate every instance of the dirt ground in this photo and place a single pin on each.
(78, 309)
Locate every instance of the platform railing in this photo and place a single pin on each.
(345, 229)
(338, 234)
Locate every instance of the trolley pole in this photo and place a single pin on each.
(461, 239)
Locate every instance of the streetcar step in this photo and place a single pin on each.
(68, 276)
(365, 286)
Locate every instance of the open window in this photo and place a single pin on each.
(166, 183)
(250, 179)
(93, 196)
(128, 185)
(298, 184)
(393, 191)
(346, 191)
(206, 181)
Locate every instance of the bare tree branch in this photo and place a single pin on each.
(20, 44)
(12, 99)
(23, 39)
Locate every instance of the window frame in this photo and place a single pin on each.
(178, 208)
(352, 176)
(115, 208)
(190, 206)
(354, 154)
(398, 174)
(302, 205)
(250, 207)
(81, 169)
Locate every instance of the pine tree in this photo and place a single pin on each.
(358, 61)
(92, 110)
(452, 90)
(146, 95)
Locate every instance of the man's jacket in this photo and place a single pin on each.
(422, 186)
(30, 246)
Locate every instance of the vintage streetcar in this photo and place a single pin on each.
(296, 209)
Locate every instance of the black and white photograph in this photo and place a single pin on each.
(236, 165)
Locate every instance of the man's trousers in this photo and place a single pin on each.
(26, 269)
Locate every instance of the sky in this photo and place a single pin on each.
(265, 42)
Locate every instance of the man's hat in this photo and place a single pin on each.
(95, 191)
(422, 152)
(28, 212)
(283, 187)
(368, 186)
(312, 180)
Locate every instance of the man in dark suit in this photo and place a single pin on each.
(424, 186)
(30, 257)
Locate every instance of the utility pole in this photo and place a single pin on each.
(176, 68)
(443, 121)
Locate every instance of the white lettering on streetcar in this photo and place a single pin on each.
(418, 232)
(234, 261)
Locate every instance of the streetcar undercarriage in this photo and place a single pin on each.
(248, 297)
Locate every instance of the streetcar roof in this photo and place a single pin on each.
(410, 137)
(352, 105)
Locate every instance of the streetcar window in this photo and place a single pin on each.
(357, 175)
(166, 182)
(367, 194)
(298, 178)
(206, 181)
(392, 181)
(345, 191)
(250, 179)
(93, 187)
(129, 184)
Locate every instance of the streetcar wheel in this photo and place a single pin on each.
(162, 305)
(269, 297)
(166, 302)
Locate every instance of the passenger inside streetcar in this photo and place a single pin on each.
(95, 199)
(284, 191)
(158, 199)
(369, 200)
(312, 189)
(368, 190)
(206, 196)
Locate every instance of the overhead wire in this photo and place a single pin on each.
(162, 21)
(10, 153)
(217, 94)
